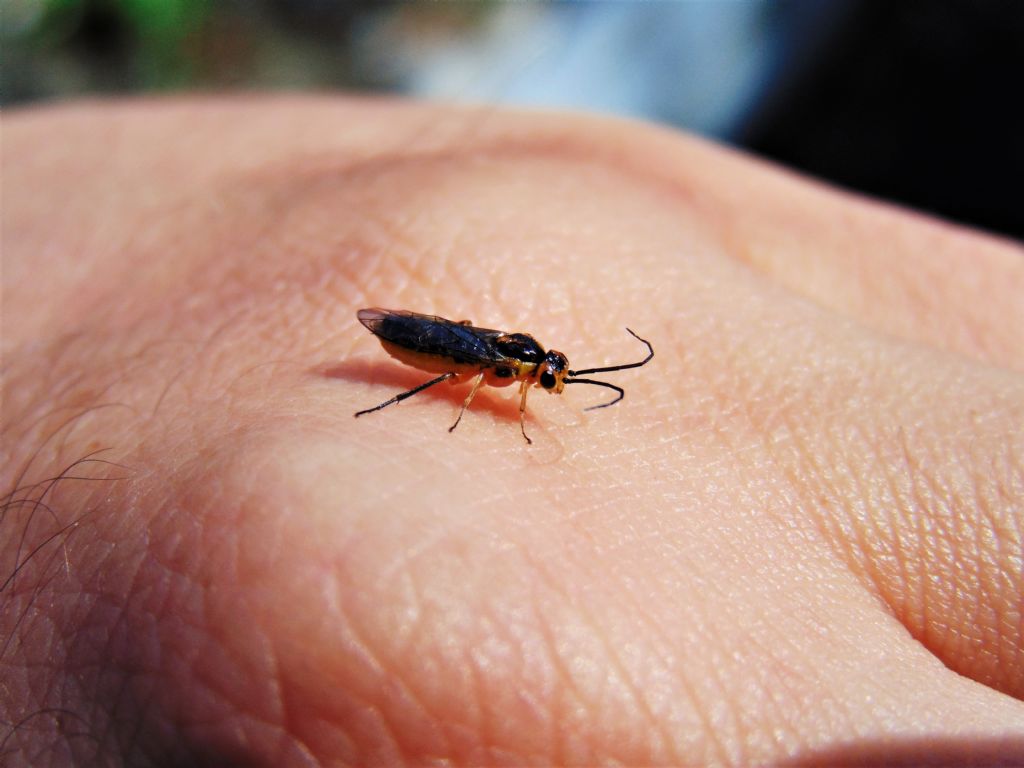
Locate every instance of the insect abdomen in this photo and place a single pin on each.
(427, 335)
(428, 362)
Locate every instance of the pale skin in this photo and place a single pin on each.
(797, 540)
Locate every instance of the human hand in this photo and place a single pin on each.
(797, 540)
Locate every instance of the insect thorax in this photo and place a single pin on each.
(520, 346)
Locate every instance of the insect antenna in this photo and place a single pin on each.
(573, 376)
(650, 354)
(621, 392)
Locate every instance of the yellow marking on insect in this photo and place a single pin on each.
(459, 351)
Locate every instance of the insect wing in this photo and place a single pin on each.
(432, 335)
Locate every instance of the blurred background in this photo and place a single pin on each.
(916, 101)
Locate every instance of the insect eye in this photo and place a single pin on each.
(547, 380)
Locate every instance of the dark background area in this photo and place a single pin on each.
(916, 101)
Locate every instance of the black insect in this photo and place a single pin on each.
(459, 351)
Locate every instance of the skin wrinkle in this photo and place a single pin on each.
(717, 746)
(981, 571)
(774, 681)
(25, 627)
(481, 712)
(879, 314)
(927, 535)
(921, 497)
(472, 667)
(833, 712)
(1000, 530)
(71, 688)
(559, 696)
(666, 747)
(860, 495)
(357, 645)
(43, 573)
(336, 736)
(255, 654)
(556, 652)
(753, 625)
(570, 159)
(187, 367)
(36, 504)
(287, 724)
(53, 353)
(891, 532)
(421, 698)
(120, 686)
(38, 426)
(533, 692)
(477, 713)
(418, 625)
(505, 669)
(875, 548)
(46, 445)
(141, 671)
(121, 700)
(739, 720)
(922, 500)
(668, 742)
(899, 485)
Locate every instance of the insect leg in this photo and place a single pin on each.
(410, 393)
(469, 398)
(524, 387)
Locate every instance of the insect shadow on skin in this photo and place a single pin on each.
(460, 351)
